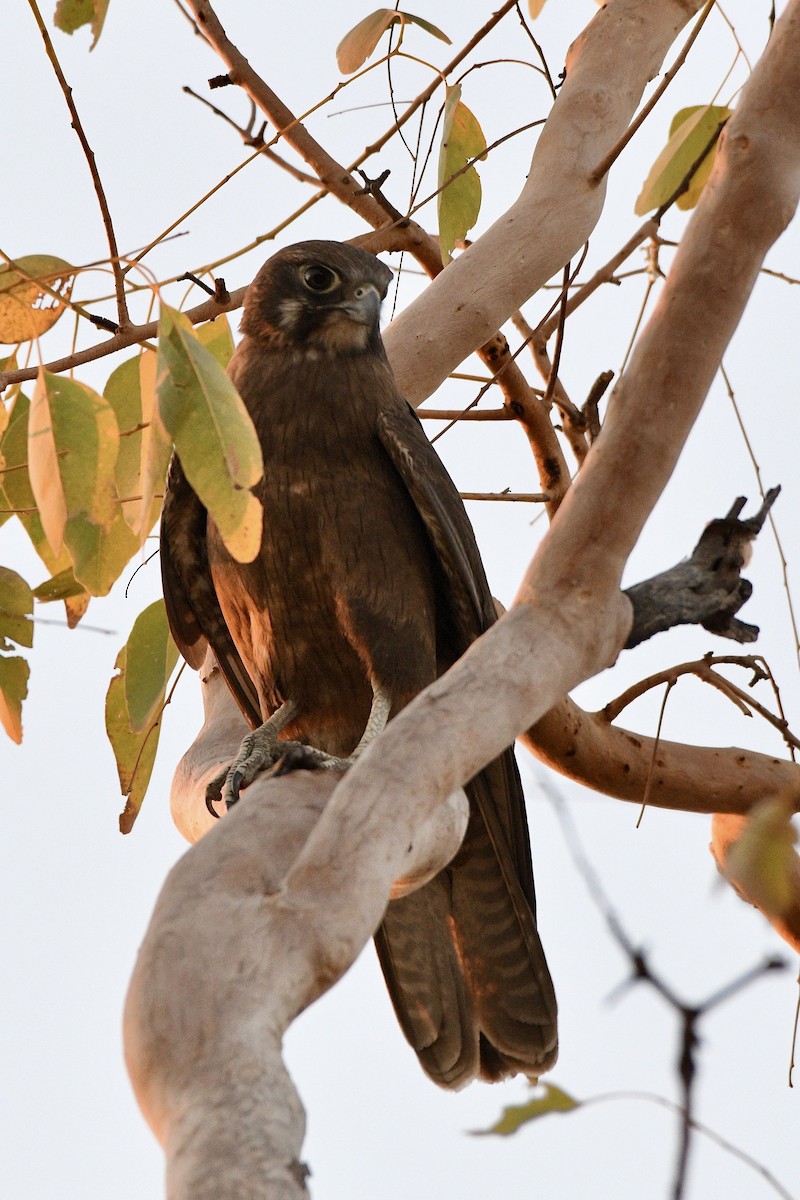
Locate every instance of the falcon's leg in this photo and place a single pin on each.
(257, 751)
(376, 722)
(262, 749)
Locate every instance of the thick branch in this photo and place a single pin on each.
(507, 264)
(703, 779)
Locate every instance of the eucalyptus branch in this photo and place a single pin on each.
(457, 414)
(133, 335)
(515, 497)
(119, 278)
(613, 154)
(703, 670)
(256, 140)
(605, 274)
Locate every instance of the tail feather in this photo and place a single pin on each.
(462, 958)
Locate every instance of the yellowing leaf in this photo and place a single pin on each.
(14, 674)
(151, 659)
(693, 133)
(27, 308)
(134, 752)
(213, 434)
(16, 487)
(72, 14)
(459, 198)
(761, 861)
(535, 7)
(16, 606)
(356, 46)
(515, 1116)
(131, 393)
(72, 451)
(43, 472)
(156, 447)
(216, 336)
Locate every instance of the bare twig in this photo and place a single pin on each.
(256, 140)
(689, 1015)
(516, 497)
(605, 274)
(119, 279)
(456, 414)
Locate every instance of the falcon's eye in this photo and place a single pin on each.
(319, 279)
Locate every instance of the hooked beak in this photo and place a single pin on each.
(364, 306)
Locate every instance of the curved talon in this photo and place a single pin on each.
(233, 790)
(213, 794)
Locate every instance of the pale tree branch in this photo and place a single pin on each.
(490, 281)
(238, 947)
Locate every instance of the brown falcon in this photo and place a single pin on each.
(367, 587)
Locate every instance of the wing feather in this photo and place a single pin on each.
(484, 954)
(193, 609)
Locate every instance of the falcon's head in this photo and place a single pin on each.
(324, 296)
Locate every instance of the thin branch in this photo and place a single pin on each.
(457, 414)
(132, 336)
(703, 1130)
(428, 92)
(656, 743)
(702, 669)
(772, 525)
(689, 1015)
(256, 140)
(605, 274)
(517, 497)
(119, 279)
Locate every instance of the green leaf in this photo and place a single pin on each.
(73, 445)
(515, 1116)
(72, 451)
(216, 336)
(761, 861)
(16, 607)
(693, 131)
(72, 14)
(135, 702)
(27, 310)
(151, 659)
(99, 554)
(460, 199)
(156, 446)
(356, 46)
(64, 586)
(14, 674)
(213, 434)
(16, 492)
(131, 393)
(134, 752)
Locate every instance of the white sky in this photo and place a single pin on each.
(76, 896)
